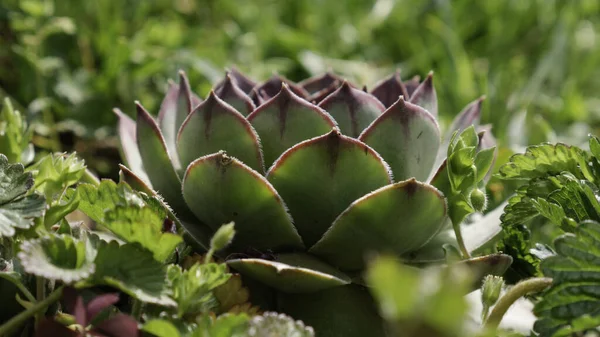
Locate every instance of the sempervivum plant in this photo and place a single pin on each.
(316, 176)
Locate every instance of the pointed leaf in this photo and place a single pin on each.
(241, 80)
(128, 144)
(389, 90)
(412, 85)
(425, 96)
(231, 94)
(352, 109)
(407, 137)
(174, 109)
(285, 121)
(223, 189)
(319, 83)
(291, 273)
(317, 179)
(57, 258)
(157, 162)
(215, 126)
(272, 86)
(398, 218)
(320, 95)
(467, 117)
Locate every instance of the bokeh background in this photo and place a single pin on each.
(68, 63)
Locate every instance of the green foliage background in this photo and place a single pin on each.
(76, 60)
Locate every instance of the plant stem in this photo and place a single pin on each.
(208, 256)
(136, 309)
(21, 287)
(40, 286)
(38, 307)
(461, 241)
(521, 289)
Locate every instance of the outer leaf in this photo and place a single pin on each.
(292, 273)
(576, 282)
(57, 258)
(315, 180)
(347, 311)
(234, 96)
(273, 86)
(389, 90)
(241, 80)
(128, 144)
(133, 270)
(215, 126)
(407, 137)
(285, 121)
(175, 108)
(467, 117)
(157, 162)
(353, 109)
(425, 96)
(396, 218)
(222, 189)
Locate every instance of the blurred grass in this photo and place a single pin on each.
(537, 61)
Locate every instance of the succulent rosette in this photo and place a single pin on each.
(316, 176)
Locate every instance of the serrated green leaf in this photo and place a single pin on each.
(96, 200)
(575, 290)
(55, 172)
(17, 210)
(133, 270)
(56, 257)
(58, 211)
(144, 226)
(192, 289)
(226, 325)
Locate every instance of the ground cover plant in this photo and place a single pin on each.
(124, 258)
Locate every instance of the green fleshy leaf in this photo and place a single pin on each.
(274, 324)
(407, 137)
(157, 162)
(128, 148)
(192, 289)
(317, 180)
(285, 121)
(347, 311)
(144, 226)
(132, 269)
(425, 96)
(174, 109)
(481, 266)
(291, 273)
(56, 257)
(574, 292)
(17, 210)
(397, 218)
(215, 126)
(389, 90)
(352, 109)
(231, 94)
(161, 328)
(260, 217)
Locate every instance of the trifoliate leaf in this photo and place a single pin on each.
(227, 325)
(55, 172)
(17, 210)
(572, 303)
(192, 288)
(133, 270)
(543, 160)
(56, 257)
(274, 324)
(144, 226)
(96, 200)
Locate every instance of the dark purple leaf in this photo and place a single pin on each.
(390, 89)
(119, 325)
(319, 83)
(50, 328)
(99, 303)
